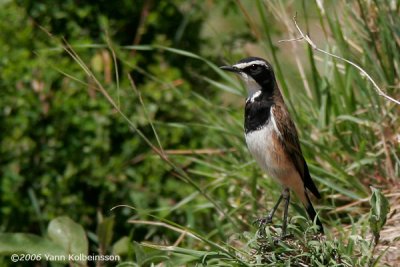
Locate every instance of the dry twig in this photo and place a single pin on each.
(312, 44)
(162, 224)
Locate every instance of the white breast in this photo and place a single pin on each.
(266, 152)
(261, 146)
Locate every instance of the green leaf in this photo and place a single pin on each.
(105, 232)
(378, 213)
(28, 244)
(69, 235)
(123, 246)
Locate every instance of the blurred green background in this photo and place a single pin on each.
(65, 151)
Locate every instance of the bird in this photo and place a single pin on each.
(272, 139)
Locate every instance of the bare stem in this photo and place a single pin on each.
(313, 45)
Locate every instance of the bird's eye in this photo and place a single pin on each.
(254, 68)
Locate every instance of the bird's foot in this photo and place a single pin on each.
(263, 221)
(282, 238)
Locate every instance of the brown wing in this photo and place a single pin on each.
(290, 142)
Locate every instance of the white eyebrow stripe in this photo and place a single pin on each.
(246, 64)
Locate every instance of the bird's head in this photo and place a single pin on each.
(257, 74)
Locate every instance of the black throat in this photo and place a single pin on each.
(257, 109)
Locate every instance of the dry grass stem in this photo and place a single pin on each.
(173, 228)
(363, 72)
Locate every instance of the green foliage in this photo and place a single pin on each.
(65, 237)
(58, 138)
(29, 244)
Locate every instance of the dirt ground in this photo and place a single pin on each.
(390, 235)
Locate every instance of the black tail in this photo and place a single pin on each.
(312, 214)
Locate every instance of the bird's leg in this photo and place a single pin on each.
(286, 197)
(268, 219)
(272, 211)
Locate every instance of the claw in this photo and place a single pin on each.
(263, 221)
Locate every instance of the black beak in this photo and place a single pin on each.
(229, 68)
